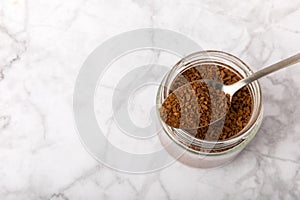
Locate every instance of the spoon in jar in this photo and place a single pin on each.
(205, 102)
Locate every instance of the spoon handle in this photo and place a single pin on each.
(272, 68)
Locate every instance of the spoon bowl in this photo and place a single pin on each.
(195, 105)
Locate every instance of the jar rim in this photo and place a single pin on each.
(257, 108)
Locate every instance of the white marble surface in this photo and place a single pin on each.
(42, 46)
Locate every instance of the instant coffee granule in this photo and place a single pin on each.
(194, 105)
(238, 112)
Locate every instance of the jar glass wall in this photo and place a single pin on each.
(204, 153)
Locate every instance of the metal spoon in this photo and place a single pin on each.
(230, 90)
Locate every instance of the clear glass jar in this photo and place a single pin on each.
(209, 153)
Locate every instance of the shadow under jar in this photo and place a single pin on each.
(205, 147)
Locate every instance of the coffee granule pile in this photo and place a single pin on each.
(238, 111)
(194, 105)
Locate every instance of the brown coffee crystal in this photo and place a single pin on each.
(194, 105)
(195, 102)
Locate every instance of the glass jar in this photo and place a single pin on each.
(204, 153)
